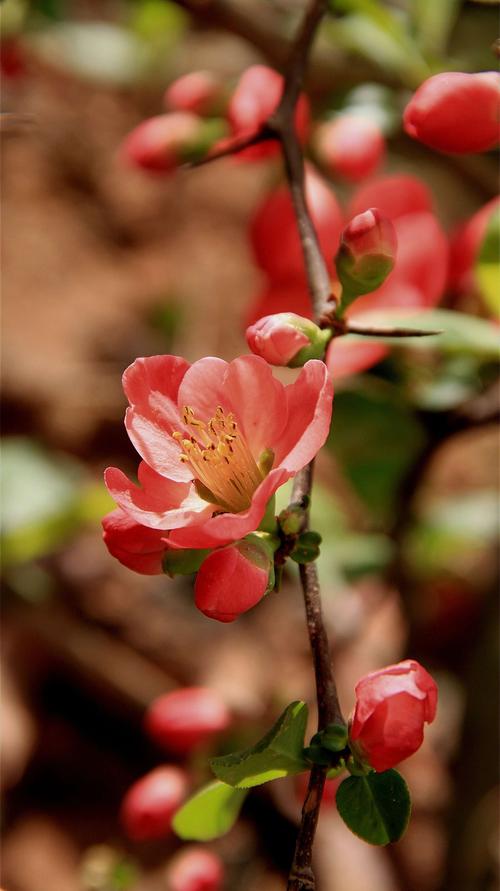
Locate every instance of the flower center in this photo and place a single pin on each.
(220, 459)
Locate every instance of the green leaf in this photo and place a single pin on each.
(375, 807)
(460, 332)
(277, 754)
(210, 813)
(363, 441)
(434, 22)
(488, 264)
(378, 34)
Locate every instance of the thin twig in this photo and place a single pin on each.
(366, 331)
(301, 877)
(232, 146)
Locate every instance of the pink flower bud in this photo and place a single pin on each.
(394, 196)
(137, 547)
(367, 253)
(350, 146)
(186, 718)
(286, 339)
(273, 230)
(232, 580)
(465, 246)
(150, 804)
(256, 96)
(392, 706)
(200, 92)
(195, 869)
(455, 112)
(163, 143)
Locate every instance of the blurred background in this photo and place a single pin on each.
(103, 263)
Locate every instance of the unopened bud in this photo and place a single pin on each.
(150, 804)
(350, 146)
(287, 339)
(186, 718)
(456, 112)
(292, 519)
(233, 579)
(162, 143)
(367, 254)
(195, 869)
(307, 548)
(200, 92)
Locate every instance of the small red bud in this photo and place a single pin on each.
(286, 339)
(232, 580)
(456, 112)
(186, 718)
(392, 706)
(200, 92)
(367, 252)
(465, 246)
(350, 146)
(163, 143)
(195, 869)
(150, 804)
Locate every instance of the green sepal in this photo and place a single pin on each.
(316, 754)
(315, 350)
(209, 813)
(209, 133)
(183, 561)
(291, 520)
(268, 522)
(336, 770)
(375, 807)
(277, 754)
(333, 737)
(307, 548)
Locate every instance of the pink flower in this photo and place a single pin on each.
(217, 440)
(456, 112)
(198, 92)
(465, 246)
(150, 804)
(256, 96)
(186, 718)
(232, 580)
(273, 229)
(137, 547)
(392, 706)
(350, 146)
(286, 339)
(195, 868)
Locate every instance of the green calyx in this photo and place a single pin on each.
(208, 134)
(306, 548)
(183, 561)
(319, 340)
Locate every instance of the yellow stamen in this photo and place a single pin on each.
(219, 457)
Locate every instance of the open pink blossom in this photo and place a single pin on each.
(217, 440)
(392, 706)
(274, 235)
(137, 547)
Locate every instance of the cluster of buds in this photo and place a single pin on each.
(203, 116)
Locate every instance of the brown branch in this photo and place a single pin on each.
(301, 877)
(388, 332)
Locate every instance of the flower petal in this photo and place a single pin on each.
(151, 385)
(158, 503)
(136, 547)
(258, 401)
(203, 387)
(309, 402)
